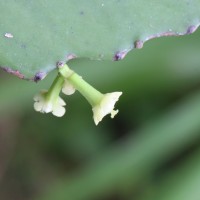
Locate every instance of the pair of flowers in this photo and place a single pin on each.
(68, 81)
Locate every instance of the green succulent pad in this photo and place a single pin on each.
(35, 35)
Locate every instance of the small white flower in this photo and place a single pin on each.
(44, 105)
(106, 106)
(68, 88)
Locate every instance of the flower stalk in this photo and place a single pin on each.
(55, 88)
(102, 104)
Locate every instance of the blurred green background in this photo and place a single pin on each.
(149, 151)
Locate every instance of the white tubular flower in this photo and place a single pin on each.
(68, 88)
(49, 101)
(102, 104)
(45, 105)
(106, 106)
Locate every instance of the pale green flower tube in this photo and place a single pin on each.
(102, 104)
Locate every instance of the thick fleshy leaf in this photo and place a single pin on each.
(34, 35)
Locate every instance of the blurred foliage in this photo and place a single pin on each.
(150, 150)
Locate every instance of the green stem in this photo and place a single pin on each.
(55, 88)
(92, 95)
